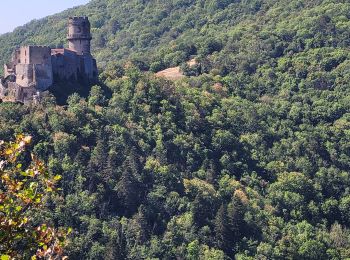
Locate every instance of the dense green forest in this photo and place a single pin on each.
(248, 157)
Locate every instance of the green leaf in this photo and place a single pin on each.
(5, 257)
(57, 177)
(69, 230)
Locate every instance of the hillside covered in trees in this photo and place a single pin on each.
(248, 157)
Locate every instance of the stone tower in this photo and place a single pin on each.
(79, 35)
(34, 69)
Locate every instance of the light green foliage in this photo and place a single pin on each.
(247, 157)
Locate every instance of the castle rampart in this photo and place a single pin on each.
(35, 55)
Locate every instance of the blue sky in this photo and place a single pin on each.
(19, 12)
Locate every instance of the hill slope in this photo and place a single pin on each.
(126, 28)
(163, 34)
(246, 159)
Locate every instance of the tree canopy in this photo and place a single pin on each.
(246, 157)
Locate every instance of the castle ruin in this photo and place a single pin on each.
(34, 69)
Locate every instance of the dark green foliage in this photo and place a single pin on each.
(246, 158)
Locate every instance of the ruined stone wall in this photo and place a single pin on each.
(10, 67)
(38, 74)
(3, 90)
(24, 55)
(26, 94)
(39, 55)
(43, 76)
(35, 67)
(12, 92)
(16, 93)
(65, 64)
(89, 67)
(35, 55)
(15, 58)
(25, 74)
(6, 70)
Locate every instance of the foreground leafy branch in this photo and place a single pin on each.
(24, 186)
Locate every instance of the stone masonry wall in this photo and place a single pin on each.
(43, 76)
(25, 75)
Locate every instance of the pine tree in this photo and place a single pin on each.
(116, 247)
(221, 228)
(128, 187)
(235, 216)
(141, 226)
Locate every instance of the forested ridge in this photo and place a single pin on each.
(248, 157)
